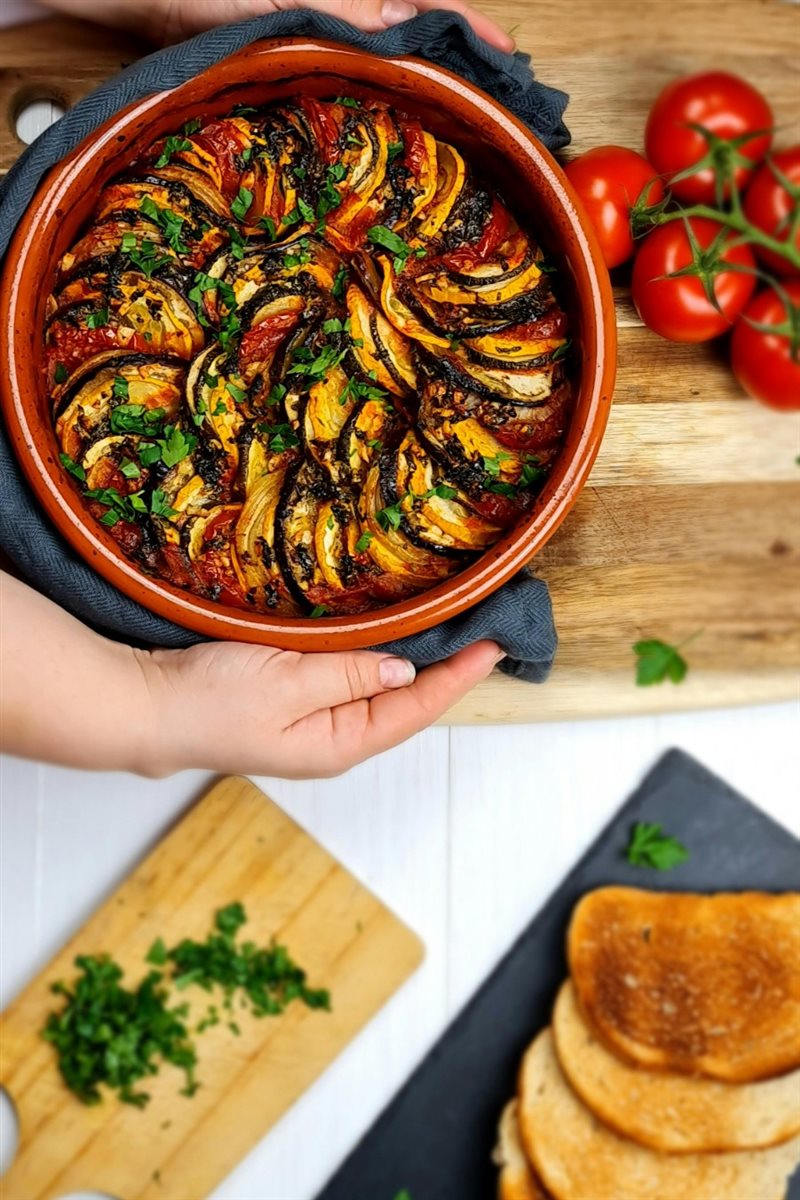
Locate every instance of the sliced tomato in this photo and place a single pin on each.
(260, 343)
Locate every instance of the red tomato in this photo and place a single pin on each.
(725, 105)
(609, 180)
(762, 362)
(678, 308)
(767, 204)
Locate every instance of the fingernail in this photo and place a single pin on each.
(501, 654)
(396, 672)
(395, 11)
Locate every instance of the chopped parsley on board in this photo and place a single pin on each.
(109, 1036)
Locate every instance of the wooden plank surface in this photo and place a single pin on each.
(690, 521)
(234, 845)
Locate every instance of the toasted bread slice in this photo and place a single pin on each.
(673, 1113)
(579, 1158)
(705, 985)
(517, 1180)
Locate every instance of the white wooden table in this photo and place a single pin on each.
(465, 832)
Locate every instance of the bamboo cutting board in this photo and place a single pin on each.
(691, 519)
(234, 845)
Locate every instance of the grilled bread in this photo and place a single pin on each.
(578, 1158)
(517, 1180)
(695, 984)
(669, 1112)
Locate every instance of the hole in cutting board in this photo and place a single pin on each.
(9, 1131)
(34, 116)
(88, 1196)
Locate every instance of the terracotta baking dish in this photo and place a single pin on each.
(513, 160)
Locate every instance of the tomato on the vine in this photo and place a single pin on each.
(762, 360)
(729, 108)
(769, 205)
(679, 308)
(609, 180)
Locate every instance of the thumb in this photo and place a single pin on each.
(370, 15)
(321, 681)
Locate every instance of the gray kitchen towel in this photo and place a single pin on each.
(519, 616)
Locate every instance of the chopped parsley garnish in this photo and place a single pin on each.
(283, 437)
(658, 661)
(375, 444)
(339, 283)
(316, 368)
(306, 211)
(129, 469)
(173, 145)
(561, 351)
(219, 408)
(348, 101)
(442, 490)
(269, 226)
(97, 320)
(492, 465)
(292, 218)
(395, 148)
(192, 126)
(159, 505)
(531, 473)
(175, 446)
(237, 242)
(299, 172)
(75, 469)
(319, 610)
(300, 257)
(363, 542)
(61, 374)
(120, 389)
(146, 257)
(229, 330)
(651, 847)
(149, 453)
(120, 508)
(241, 204)
(170, 223)
(276, 394)
(390, 517)
(362, 391)
(239, 394)
(109, 1036)
(208, 283)
(501, 488)
(381, 235)
(211, 381)
(135, 418)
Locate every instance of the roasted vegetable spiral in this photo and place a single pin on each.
(303, 361)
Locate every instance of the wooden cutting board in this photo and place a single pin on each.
(691, 519)
(234, 845)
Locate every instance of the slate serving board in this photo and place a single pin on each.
(436, 1137)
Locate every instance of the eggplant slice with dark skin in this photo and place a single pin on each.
(303, 361)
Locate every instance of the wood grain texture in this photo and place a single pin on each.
(692, 514)
(234, 845)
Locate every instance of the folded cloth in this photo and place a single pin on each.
(519, 616)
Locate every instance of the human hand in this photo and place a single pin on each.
(172, 20)
(255, 710)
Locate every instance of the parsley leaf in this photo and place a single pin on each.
(147, 257)
(348, 101)
(339, 283)
(175, 446)
(283, 438)
(129, 469)
(650, 847)
(269, 226)
(395, 148)
(192, 126)
(173, 145)
(241, 204)
(561, 351)
(390, 517)
(239, 394)
(319, 610)
(75, 469)
(157, 954)
(658, 661)
(135, 418)
(97, 320)
(159, 505)
(169, 222)
(363, 542)
(61, 374)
